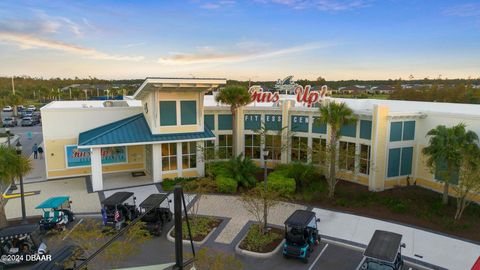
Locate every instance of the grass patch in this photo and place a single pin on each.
(257, 241)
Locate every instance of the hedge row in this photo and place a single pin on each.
(279, 182)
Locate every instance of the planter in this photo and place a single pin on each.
(198, 240)
(278, 243)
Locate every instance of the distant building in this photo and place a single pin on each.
(354, 89)
(381, 89)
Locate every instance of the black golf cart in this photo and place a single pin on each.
(18, 242)
(66, 258)
(383, 252)
(301, 235)
(157, 217)
(118, 209)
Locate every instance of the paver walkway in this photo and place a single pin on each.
(232, 207)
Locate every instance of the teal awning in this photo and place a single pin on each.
(53, 202)
(133, 130)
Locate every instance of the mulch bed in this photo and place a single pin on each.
(419, 207)
(215, 222)
(269, 247)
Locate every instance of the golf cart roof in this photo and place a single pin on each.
(153, 200)
(117, 198)
(17, 231)
(53, 202)
(59, 258)
(383, 246)
(300, 218)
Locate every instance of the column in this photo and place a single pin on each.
(179, 160)
(157, 163)
(200, 159)
(378, 158)
(96, 165)
(285, 105)
(240, 121)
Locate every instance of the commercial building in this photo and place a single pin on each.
(169, 128)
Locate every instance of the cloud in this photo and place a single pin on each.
(232, 57)
(26, 41)
(324, 5)
(217, 4)
(464, 10)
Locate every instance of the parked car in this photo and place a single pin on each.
(9, 122)
(27, 113)
(31, 108)
(7, 109)
(383, 252)
(27, 121)
(20, 108)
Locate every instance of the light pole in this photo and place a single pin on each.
(13, 186)
(265, 188)
(18, 147)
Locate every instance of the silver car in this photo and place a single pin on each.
(9, 122)
(27, 121)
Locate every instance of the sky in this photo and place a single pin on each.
(243, 40)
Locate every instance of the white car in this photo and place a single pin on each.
(31, 108)
(7, 109)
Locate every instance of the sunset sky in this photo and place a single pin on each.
(258, 40)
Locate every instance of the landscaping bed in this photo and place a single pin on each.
(200, 227)
(411, 205)
(256, 241)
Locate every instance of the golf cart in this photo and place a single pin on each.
(157, 217)
(57, 213)
(383, 252)
(66, 258)
(118, 209)
(18, 242)
(301, 235)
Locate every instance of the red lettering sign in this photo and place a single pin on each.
(257, 95)
(303, 95)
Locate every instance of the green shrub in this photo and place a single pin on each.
(168, 184)
(240, 169)
(201, 185)
(216, 168)
(257, 241)
(304, 174)
(278, 182)
(341, 202)
(226, 184)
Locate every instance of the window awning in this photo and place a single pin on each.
(132, 131)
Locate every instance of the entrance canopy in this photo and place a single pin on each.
(134, 130)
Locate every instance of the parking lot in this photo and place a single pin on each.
(28, 134)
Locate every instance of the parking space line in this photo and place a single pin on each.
(318, 257)
(80, 221)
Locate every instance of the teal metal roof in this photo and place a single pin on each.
(134, 129)
(53, 202)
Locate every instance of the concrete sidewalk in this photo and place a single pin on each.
(422, 245)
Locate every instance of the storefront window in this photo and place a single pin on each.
(209, 150)
(346, 157)
(364, 159)
(189, 155)
(252, 146)
(169, 157)
(299, 149)
(319, 150)
(224, 146)
(273, 144)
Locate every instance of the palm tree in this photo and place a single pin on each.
(11, 165)
(236, 97)
(446, 147)
(335, 115)
(14, 100)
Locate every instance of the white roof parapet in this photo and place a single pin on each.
(154, 83)
(403, 115)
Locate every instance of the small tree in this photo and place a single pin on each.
(256, 201)
(447, 147)
(11, 166)
(469, 182)
(89, 237)
(335, 115)
(235, 97)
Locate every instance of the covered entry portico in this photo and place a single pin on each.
(165, 155)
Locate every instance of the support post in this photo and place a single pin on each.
(97, 174)
(177, 202)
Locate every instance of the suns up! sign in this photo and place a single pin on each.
(303, 94)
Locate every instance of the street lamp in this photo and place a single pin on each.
(265, 188)
(18, 147)
(13, 186)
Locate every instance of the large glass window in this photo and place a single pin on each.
(209, 150)
(224, 146)
(273, 144)
(169, 157)
(189, 155)
(252, 146)
(346, 157)
(319, 150)
(299, 149)
(400, 161)
(364, 159)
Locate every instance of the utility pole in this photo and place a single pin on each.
(13, 85)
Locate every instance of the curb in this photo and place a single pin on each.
(257, 255)
(186, 242)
